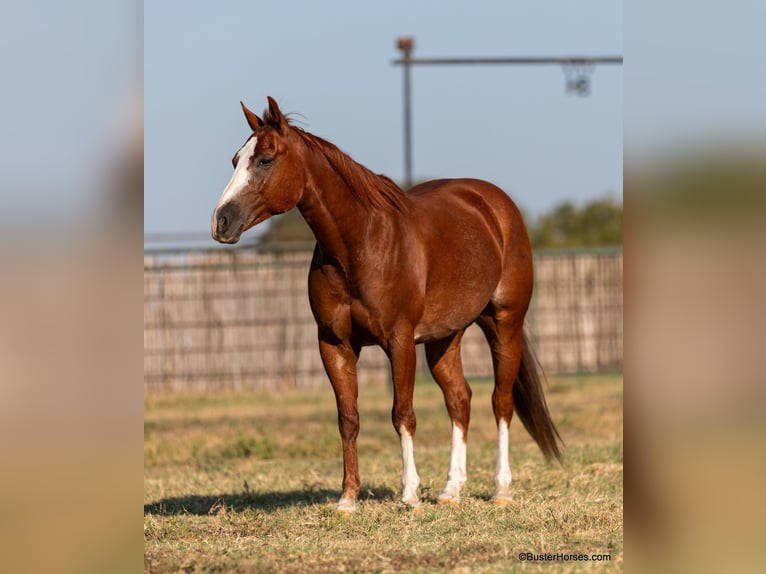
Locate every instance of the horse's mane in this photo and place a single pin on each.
(374, 190)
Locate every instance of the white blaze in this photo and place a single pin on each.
(503, 469)
(241, 176)
(457, 474)
(410, 478)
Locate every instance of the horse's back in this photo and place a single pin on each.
(466, 191)
(458, 202)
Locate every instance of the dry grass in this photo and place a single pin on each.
(247, 482)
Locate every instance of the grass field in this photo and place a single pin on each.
(247, 482)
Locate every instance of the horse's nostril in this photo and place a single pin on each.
(227, 218)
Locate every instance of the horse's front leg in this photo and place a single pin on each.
(401, 352)
(340, 361)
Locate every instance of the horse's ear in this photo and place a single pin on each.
(274, 116)
(252, 120)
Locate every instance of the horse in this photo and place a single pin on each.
(398, 269)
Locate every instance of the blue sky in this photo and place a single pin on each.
(331, 62)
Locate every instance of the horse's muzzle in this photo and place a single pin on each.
(227, 224)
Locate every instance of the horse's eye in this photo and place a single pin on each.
(265, 161)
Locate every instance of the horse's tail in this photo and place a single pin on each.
(529, 403)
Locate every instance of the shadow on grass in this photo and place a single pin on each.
(203, 505)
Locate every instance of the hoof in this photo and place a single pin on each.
(416, 508)
(346, 506)
(502, 501)
(448, 501)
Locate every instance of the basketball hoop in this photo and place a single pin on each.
(577, 74)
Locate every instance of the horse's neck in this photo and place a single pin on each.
(337, 217)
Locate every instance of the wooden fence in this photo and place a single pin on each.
(241, 319)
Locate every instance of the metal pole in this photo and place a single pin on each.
(406, 44)
(529, 60)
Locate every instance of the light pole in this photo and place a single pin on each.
(406, 44)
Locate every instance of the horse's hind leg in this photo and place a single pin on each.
(401, 352)
(447, 368)
(504, 333)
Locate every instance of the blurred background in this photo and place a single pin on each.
(695, 135)
(71, 197)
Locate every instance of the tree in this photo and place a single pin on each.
(596, 223)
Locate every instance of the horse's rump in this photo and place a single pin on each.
(472, 233)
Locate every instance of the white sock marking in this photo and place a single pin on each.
(503, 469)
(456, 476)
(410, 478)
(241, 176)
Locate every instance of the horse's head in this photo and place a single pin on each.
(266, 181)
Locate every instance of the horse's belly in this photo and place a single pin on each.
(427, 333)
(447, 315)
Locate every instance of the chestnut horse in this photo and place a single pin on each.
(396, 269)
